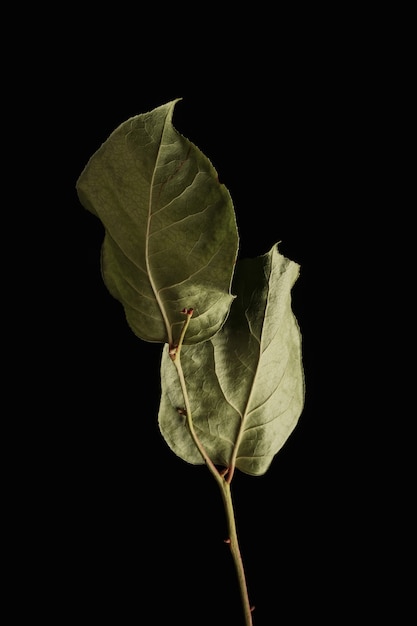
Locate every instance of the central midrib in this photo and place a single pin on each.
(148, 266)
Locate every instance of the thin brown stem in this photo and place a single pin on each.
(222, 478)
(235, 551)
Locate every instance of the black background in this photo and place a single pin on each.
(120, 528)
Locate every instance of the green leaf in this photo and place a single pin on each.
(170, 230)
(245, 385)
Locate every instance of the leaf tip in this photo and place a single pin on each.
(172, 104)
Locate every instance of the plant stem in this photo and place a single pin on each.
(223, 479)
(235, 550)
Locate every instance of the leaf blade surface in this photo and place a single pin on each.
(170, 230)
(246, 385)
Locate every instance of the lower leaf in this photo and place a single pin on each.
(245, 385)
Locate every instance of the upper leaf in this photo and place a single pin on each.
(170, 231)
(246, 385)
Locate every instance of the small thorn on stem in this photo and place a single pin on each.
(252, 608)
(226, 540)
